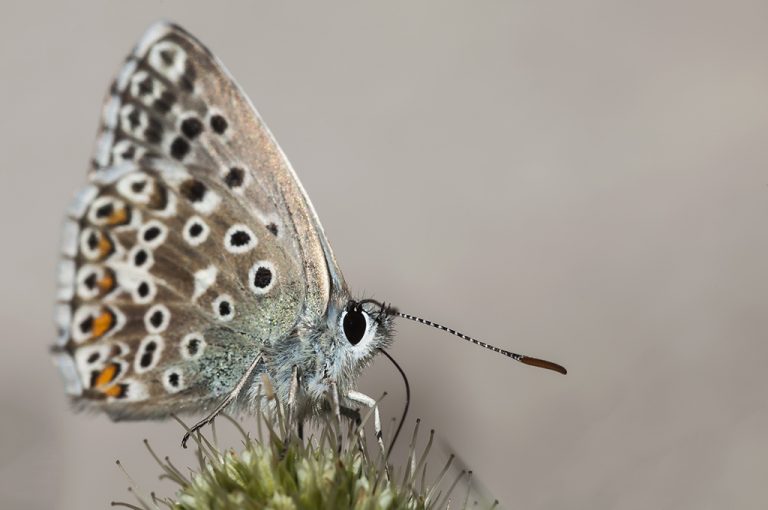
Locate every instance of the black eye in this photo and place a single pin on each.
(354, 326)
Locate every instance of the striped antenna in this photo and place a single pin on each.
(528, 360)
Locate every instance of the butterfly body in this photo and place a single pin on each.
(193, 261)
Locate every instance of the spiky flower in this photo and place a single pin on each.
(278, 470)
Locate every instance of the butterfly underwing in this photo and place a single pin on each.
(193, 260)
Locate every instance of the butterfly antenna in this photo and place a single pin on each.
(407, 400)
(528, 360)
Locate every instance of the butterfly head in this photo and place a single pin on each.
(362, 328)
(355, 331)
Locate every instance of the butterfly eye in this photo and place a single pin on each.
(355, 324)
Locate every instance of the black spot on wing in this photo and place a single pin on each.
(191, 127)
(179, 148)
(193, 190)
(235, 177)
(219, 124)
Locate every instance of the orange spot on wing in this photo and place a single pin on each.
(102, 323)
(118, 217)
(115, 391)
(107, 283)
(107, 375)
(105, 245)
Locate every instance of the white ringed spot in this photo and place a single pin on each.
(93, 280)
(173, 380)
(106, 210)
(239, 239)
(136, 187)
(152, 234)
(192, 346)
(195, 231)
(157, 318)
(148, 353)
(169, 59)
(144, 292)
(95, 245)
(236, 177)
(126, 151)
(134, 120)
(224, 308)
(89, 358)
(141, 257)
(261, 277)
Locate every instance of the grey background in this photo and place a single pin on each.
(583, 181)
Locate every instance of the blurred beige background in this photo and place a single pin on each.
(583, 181)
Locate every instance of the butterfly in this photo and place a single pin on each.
(193, 260)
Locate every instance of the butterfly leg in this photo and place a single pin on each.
(352, 414)
(231, 396)
(292, 390)
(336, 408)
(361, 398)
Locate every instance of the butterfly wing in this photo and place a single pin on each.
(193, 245)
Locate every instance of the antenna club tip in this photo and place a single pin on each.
(542, 363)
